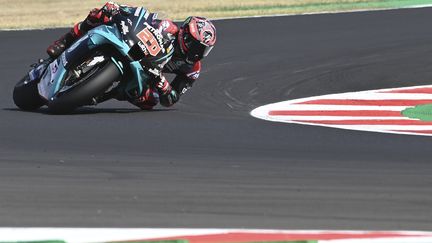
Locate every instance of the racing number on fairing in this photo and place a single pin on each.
(149, 41)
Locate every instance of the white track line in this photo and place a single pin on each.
(263, 16)
(336, 118)
(294, 107)
(326, 12)
(382, 96)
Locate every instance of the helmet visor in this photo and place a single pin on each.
(195, 49)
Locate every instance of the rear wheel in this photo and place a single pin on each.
(26, 95)
(91, 84)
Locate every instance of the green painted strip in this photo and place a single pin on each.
(422, 112)
(321, 7)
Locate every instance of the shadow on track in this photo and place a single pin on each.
(90, 110)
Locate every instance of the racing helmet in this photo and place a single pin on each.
(197, 37)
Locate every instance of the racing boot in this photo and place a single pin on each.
(57, 48)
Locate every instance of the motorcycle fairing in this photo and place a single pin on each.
(54, 75)
(49, 81)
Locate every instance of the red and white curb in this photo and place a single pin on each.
(106, 235)
(374, 110)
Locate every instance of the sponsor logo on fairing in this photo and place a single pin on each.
(143, 47)
(63, 58)
(164, 25)
(137, 11)
(54, 68)
(146, 15)
(154, 71)
(124, 28)
(151, 39)
(156, 33)
(170, 47)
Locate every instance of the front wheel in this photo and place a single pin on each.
(94, 83)
(26, 95)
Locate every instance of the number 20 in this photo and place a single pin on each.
(149, 41)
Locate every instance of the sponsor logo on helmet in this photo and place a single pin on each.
(192, 29)
(207, 36)
(200, 24)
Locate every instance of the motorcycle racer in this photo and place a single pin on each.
(192, 42)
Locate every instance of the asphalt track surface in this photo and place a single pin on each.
(206, 162)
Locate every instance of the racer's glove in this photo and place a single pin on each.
(147, 101)
(110, 9)
(162, 86)
(103, 15)
(95, 18)
(167, 95)
(169, 99)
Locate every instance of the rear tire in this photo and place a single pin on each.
(26, 95)
(93, 85)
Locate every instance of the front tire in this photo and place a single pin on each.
(26, 95)
(92, 85)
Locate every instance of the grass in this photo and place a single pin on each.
(18, 14)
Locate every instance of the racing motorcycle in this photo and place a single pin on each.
(107, 62)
